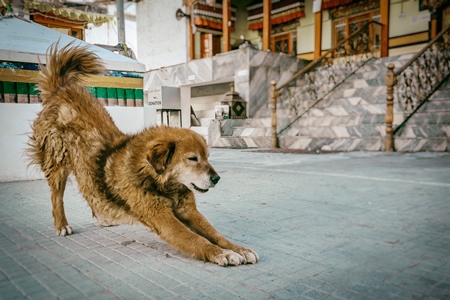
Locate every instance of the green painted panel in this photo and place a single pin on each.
(101, 92)
(9, 87)
(139, 94)
(33, 89)
(22, 88)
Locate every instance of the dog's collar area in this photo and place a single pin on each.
(199, 189)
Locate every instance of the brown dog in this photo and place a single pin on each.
(148, 178)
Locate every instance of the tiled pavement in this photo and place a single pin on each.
(330, 226)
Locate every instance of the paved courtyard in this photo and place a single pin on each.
(328, 226)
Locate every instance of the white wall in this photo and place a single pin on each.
(406, 23)
(305, 32)
(15, 120)
(163, 41)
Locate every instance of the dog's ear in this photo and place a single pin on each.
(160, 154)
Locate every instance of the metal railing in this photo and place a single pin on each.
(318, 79)
(414, 83)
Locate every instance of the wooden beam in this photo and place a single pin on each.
(317, 34)
(225, 28)
(29, 76)
(384, 19)
(267, 23)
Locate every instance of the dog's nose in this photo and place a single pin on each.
(215, 178)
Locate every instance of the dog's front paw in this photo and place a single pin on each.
(228, 258)
(251, 257)
(65, 230)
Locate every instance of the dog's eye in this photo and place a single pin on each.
(193, 158)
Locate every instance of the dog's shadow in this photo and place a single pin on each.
(130, 236)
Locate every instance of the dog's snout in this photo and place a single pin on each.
(215, 178)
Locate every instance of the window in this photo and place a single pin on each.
(59, 23)
(284, 43)
(346, 26)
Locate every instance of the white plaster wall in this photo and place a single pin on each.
(106, 34)
(15, 120)
(326, 30)
(305, 32)
(403, 25)
(129, 119)
(162, 40)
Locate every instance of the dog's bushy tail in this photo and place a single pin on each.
(66, 66)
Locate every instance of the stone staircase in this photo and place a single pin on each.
(429, 128)
(351, 118)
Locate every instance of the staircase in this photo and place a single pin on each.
(429, 128)
(351, 118)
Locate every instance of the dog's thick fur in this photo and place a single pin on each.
(148, 178)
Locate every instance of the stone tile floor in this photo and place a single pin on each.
(331, 226)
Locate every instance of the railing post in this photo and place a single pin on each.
(390, 80)
(273, 97)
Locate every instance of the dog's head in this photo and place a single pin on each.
(181, 155)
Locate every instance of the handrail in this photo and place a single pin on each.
(418, 107)
(430, 43)
(319, 60)
(416, 81)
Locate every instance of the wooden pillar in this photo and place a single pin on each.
(390, 81)
(273, 100)
(433, 25)
(384, 12)
(226, 18)
(267, 23)
(318, 34)
(191, 34)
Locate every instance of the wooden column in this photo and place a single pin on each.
(191, 34)
(273, 100)
(384, 12)
(267, 24)
(390, 81)
(225, 28)
(433, 25)
(318, 34)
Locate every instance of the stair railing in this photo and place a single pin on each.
(414, 83)
(305, 89)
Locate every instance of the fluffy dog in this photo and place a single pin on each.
(148, 178)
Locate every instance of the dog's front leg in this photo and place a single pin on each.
(174, 232)
(189, 214)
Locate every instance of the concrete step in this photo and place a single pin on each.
(251, 131)
(332, 144)
(335, 132)
(424, 131)
(438, 144)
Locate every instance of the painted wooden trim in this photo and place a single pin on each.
(407, 40)
(15, 75)
(225, 29)
(317, 34)
(384, 20)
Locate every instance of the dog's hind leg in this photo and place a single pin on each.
(57, 181)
